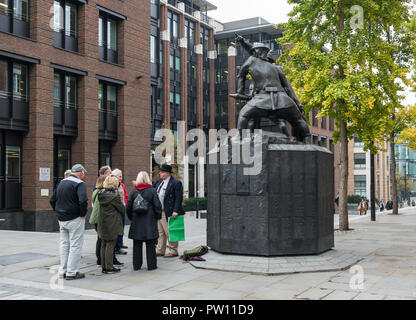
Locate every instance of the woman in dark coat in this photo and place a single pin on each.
(110, 223)
(143, 226)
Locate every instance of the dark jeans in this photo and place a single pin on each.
(107, 253)
(150, 254)
(119, 243)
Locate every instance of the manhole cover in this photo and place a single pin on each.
(22, 257)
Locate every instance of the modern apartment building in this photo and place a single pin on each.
(74, 88)
(406, 167)
(359, 179)
(182, 73)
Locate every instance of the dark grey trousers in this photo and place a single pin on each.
(107, 253)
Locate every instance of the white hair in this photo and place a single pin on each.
(143, 177)
(116, 172)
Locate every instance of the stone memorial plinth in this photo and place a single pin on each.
(287, 209)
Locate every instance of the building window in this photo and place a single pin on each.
(331, 145)
(107, 39)
(358, 143)
(15, 76)
(359, 161)
(14, 17)
(108, 108)
(66, 25)
(105, 153)
(65, 90)
(360, 185)
(153, 49)
(62, 157)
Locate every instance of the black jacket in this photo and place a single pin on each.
(173, 197)
(69, 200)
(144, 225)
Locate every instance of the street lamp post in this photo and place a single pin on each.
(405, 183)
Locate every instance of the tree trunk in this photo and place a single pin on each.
(393, 175)
(343, 193)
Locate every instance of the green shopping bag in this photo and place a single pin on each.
(176, 229)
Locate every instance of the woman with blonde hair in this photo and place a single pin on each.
(143, 226)
(110, 224)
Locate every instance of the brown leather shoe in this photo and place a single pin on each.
(170, 255)
(79, 275)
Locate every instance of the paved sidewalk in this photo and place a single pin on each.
(28, 269)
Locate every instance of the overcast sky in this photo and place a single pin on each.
(274, 11)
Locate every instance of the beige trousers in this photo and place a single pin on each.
(163, 228)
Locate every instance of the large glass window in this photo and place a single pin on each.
(67, 83)
(20, 82)
(4, 7)
(21, 9)
(107, 98)
(360, 185)
(71, 18)
(359, 161)
(64, 162)
(153, 49)
(13, 163)
(66, 25)
(107, 38)
(112, 35)
(112, 99)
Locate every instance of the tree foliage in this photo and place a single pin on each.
(355, 75)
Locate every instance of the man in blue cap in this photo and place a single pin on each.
(70, 202)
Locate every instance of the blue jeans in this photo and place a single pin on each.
(119, 243)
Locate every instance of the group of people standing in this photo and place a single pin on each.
(111, 202)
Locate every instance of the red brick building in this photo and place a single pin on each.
(74, 88)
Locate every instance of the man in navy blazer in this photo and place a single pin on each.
(170, 192)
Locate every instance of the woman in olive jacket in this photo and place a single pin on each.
(110, 223)
(143, 226)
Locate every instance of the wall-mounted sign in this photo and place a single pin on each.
(44, 174)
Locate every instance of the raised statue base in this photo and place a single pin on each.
(287, 209)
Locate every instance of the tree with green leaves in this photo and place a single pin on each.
(344, 61)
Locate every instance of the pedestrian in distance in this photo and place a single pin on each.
(144, 222)
(362, 207)
(382, 207)
(413, 203)
(70, 202)
(124, 197)
(170, 192)
(110, 224)
(95, 214)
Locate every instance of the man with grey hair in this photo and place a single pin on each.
(70, 202)
(124, 197)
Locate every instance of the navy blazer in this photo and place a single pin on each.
(173, 197)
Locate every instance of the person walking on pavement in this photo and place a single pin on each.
(70, 202)
(109, 222)
(143, 226)
(362, 207)
(170, 192)
(382, 206)
(124, 197)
